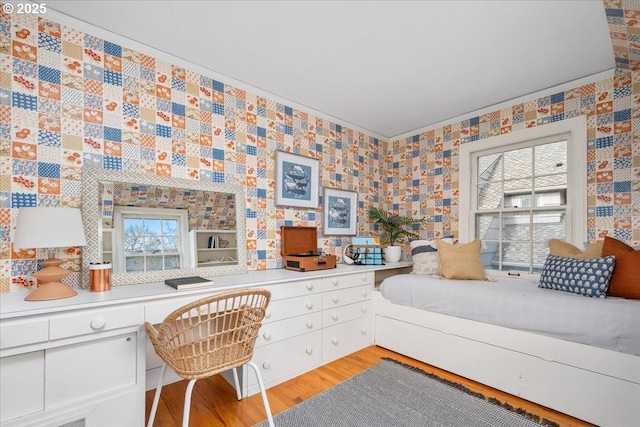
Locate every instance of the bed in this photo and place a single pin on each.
(575, 354)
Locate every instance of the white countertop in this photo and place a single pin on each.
(13, 305)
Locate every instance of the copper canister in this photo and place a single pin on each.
(100, 277)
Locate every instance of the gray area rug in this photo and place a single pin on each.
(392, 394)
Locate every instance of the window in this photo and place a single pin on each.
(519, 190)
(150, 239)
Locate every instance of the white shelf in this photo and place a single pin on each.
(202, 255)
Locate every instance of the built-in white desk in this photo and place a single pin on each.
(87, 357)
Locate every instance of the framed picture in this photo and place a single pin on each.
(340, 211)
(296, 180)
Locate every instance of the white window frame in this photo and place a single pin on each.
(576, 203)
(118, 229)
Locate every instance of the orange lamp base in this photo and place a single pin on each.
(51, 286)
(49, 291)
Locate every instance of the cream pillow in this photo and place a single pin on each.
(461, 262)
(567, 250)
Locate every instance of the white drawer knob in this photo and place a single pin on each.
(334, 341)
(364, 278)
(335, 282)
(308, 350)
(334, 299)
(309, 324)
(98, 323)
(363, 293)
(267, 315)
(334, 316)
(267, 335)
(309, 305)
(363, 331)
(364, 309)
(310, 286)
(266, 365)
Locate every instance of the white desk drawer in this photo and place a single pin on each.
(347, 296)
(286, 359)
(90, 321)
(346, 338)
(347, 281)
(345, 313)
(294, 289)
(284, 329)
(292, 307)
(14, 333)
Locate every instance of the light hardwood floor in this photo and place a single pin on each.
(214, 401)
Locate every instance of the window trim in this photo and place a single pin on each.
(183, 227)
(576, 203)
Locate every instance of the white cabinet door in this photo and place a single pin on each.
(77, 372)
(21, 385)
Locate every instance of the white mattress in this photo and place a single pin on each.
(611, 323)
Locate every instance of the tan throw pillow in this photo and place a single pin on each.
(567, 250)
(625, 281)
(461, 262)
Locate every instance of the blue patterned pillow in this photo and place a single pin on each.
(588, 277)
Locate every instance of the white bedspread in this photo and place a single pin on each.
(612, 323)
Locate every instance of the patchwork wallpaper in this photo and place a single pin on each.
(70, 100)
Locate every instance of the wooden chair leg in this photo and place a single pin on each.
(187, 403)
(263, 392)
(156, 397)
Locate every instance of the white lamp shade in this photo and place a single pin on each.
(49, 228)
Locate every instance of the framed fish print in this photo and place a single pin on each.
(297, 180)
(340, 212)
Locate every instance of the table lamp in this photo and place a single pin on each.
(49, 228)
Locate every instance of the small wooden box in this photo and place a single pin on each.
(300, 250)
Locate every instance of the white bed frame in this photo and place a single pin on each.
(593, 384)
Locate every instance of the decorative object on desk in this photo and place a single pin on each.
(49, 228)
(347, 256)
(100, 277)
(395, 229)
(188, 282)
(299, 246)
(365, 251)
(296, 180)
(340, 212)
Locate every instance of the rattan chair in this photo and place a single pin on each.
(209, 336)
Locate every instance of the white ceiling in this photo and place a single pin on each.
(387, 67)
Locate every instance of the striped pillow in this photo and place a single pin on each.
(424, 257)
